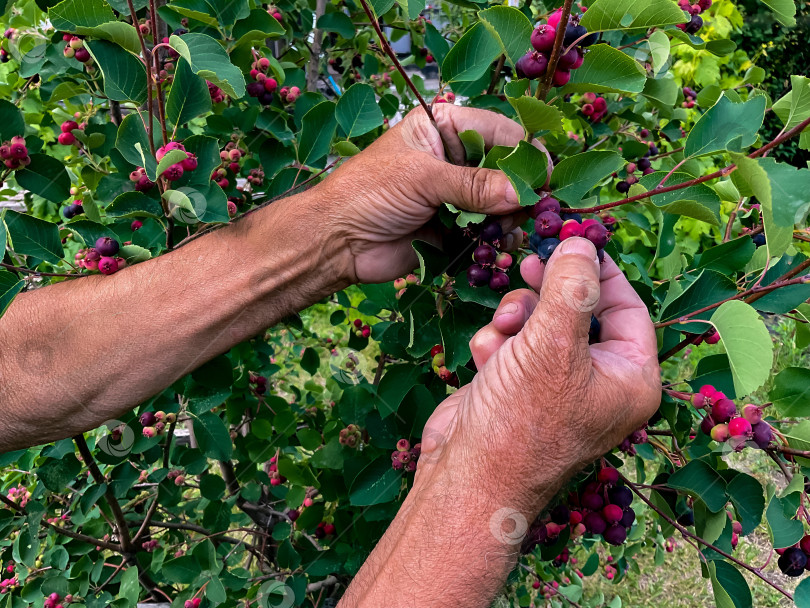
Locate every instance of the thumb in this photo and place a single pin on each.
(560, 323)
(471, 188)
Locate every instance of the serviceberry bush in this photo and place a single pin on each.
(266, 477)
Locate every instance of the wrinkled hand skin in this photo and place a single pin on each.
(545, 403)
(381, 200)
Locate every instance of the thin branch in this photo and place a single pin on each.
(41, 274)
(556, 51)
(496, 75)
(146, 58)
(708, 545)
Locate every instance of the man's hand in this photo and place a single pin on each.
(543, 405)
(544, 402)
(379, 201)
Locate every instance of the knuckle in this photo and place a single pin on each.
(478, 184)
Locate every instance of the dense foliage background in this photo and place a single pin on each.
(265, 477)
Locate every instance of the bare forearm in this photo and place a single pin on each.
(452, 544)
(76, 354)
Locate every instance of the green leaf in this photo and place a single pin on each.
(784, 531)
(726, 126)
(748, 499)
(310, 361)
(130, 587)
(794, 107)
(172, 157)
(783, 10)
(801, 594)
(357, 111)
(510, 28)
(700, 480)
(10, 286)
(754, 175)
(575, 176)
(188, 97)
(747, 343)
(134, 254)
(709, 287)
(228, 13)
(728, 257)
(729, 579)
(527, 169)
(394, 385)
(34, 237)
(45, 176)
(606, 69)
(791, 392)
(474, 146)
(337, 21)
(790, 187)
(662, 91)
(698, 201)
(536, 115)
(317, 128)
(256, 27)
(471, 56)
(208, 59)
(57, 474)
(605, 15)
(134, 204)
(183, 570)
(133, 143)
(11, 120)
(71, 14)
(376, 484)
(436, 43)
(212, 436)
(659, 51)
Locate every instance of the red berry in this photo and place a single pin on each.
(723, 410)
(612, 513)
(543, 37)
(597, 234)
(436, 350)
(600, 104)
(570, 228)
(561, 77)
(739, 427)
(190, 163)
(68, 126)
(588, 109)
(174, 173)
(608, 475)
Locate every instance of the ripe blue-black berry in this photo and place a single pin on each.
(546, 248)
(107, 246)
(620, 495)
(478, 276)
(792, 561)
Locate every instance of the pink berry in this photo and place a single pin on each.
(723, 410)
(543, 37)
(231, 208)
(190, 163)
(739, 427)
(752, 413)
(612, 513)
(503, 261)
(69, 125)
(570, 228)
(270, 84)
(720, 433)
(108, 265)
(174, 173)
(66, 139)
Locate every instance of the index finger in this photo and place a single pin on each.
(622, 314)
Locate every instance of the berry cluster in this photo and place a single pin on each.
(405, 456)
(142, 182)
(437, 363)
(154, 423)
(289, 95)
(9, 584)
(689, 97)
(176, 171)
(229, 158)
(150, 545)
(635, 438)
(793, 561)
(593, 107)
(643, 164)
(534, 63)
(276, 478)
(402, 284)
(14, 153)
(383, 81)
(74, 49)
(489, 267)
(264, 85)
(448, 97)
(256, 176)
(19, 495)
(693, 9)
(550, 229)
(54, 600)
(177, 476)
(102, 257)
(259, 383)
(353, 436)
(217, 94)
(601, 507)
(275, 13)
(193, 603)
(324, 529)
(59, 520)
(360, 330)
(67, 137)
(724, 424)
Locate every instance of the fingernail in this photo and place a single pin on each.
(508, 309)
(511, 194)
(580, 246)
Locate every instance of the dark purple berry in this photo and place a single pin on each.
(628, 517)
(531, 65)
(560, 514)
(492, 232)
(644, 163)
(485, 255)
(620, 495)
(573, 33)
(653, 149)
(694, 24)
(478, 276)
(615, 534)
(148, 419)
(593, 332)
(762, 434)
(499, 281)
(723, 410)
(706, 425)
(594, 502)
(623, 187)
(266, 98)
(792, 562)
(548, 224)
(547, 247)
(255, 89)
(594, 523)
(759, 239)
(545, 204)
(597, 234)
(687, 518)
(107, 246)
